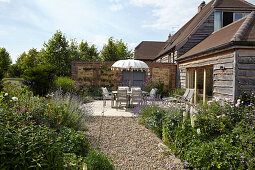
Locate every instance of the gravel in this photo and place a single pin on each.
(128, 144)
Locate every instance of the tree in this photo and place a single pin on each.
(115, 50)
(5, 60)
(74, 51)
(29, 60)
(88, 53)
(56, 53)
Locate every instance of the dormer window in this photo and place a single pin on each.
(222, 19)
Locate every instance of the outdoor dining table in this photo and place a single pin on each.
(114, 96)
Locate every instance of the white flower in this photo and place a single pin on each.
(6, 94)
(238, 103)
(198, 131)
(15, 99)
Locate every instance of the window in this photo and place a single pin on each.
(222, 19)
(217, 21)
(238, 16)
(246, 13)
(227, 18)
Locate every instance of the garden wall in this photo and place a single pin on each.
(100, 73)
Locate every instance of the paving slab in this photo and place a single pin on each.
(99, 110)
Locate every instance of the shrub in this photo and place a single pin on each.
(66, 84)
(15, 71)
(98, 161)
(223, 136)
(67, 109)
(152, 118)
(1, 79)
(39, 79)
(163, 90)
(178, 92)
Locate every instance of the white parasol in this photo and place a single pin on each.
(131, 65)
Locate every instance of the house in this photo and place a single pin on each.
(148, 50)
(214, 50)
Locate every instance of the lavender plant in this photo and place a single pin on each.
(69, 110)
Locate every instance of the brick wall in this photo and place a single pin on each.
(99, 73)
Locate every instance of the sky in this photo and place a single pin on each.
(26, 24)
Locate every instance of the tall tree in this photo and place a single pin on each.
(5, 60)
(88, 53)
(74, 51)
(29, 60)
(56, 53)
(115, 50)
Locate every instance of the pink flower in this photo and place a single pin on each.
(25, 110)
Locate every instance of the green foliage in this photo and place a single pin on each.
(67, 109)
(27, 141)
(223, 136)
(66, 84)
(1, 79)
(39, 78)
(56, 53)
(115, 50)
(152, 118)
(178, 92)
(163, 90)
(5, 60)
(96, 161)
(88, 53)
(29, 60)
(15, 71)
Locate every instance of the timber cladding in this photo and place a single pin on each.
(245, 70)
(223, 72)
(100, 73)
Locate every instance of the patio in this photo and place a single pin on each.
(98, 109)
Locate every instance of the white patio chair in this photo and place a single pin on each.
(122, 98)
(106, 95)
(136, 96)
(152, 95)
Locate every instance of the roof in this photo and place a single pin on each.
(183, 33)
(148, 50)
(186, 30)
(232, 4)
(239, 31)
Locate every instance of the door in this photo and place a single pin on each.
(137, 78)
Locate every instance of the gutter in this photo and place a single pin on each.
(229, 44)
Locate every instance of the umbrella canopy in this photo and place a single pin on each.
(129, 64)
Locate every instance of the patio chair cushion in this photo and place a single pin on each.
(106, 93)
(123, 88)
(135, 88)
(153, 92)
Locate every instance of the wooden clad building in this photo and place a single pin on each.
(214, 50)
(224, 63)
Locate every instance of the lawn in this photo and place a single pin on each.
(13, 80)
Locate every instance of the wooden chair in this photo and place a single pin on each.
(136, 96)
(122, 97)
(106, 95)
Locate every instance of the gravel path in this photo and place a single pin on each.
(129, 145)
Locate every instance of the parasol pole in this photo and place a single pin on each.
(129, 78)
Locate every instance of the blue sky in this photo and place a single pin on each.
(27, 24)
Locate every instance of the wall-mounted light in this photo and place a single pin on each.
(222, 67)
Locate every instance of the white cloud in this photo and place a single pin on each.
(168, 14)
(116, 7)
(115, 1)
(99, 40)
(7, 1)
(131, 46)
